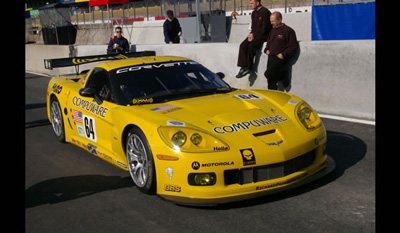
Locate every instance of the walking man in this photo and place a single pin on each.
(172, 29)
(260, 27)
(281, 47)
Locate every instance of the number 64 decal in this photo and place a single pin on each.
(90, 128)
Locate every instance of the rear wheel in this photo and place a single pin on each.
(140, 161)
(57, 119)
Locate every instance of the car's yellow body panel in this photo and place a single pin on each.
(258, 136)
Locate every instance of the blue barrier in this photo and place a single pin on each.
(343, 22)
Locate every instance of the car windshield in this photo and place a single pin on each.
(162, 82)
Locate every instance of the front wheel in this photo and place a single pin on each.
(140, 161)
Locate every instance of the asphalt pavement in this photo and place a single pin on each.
(69, 190)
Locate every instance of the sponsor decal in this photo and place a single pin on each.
(176, 123)
(248, 157)
(142, 101)
(166, 109)
(155, 66)
(81, 131)
(196, 165)
(172, 188)
(57, 88)
(169, 171)
(275, 143)
(217, 164)
(89, 106)
(220, 148)
(249, 97)
(105, 157)
(245, 125)
(281, 183)
(92, 149)
(78, 61)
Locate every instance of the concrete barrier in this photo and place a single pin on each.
(335, 77)
(36, 53)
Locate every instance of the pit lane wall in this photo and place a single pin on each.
(335, 77)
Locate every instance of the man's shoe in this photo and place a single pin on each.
(243, 71)
(286, 82)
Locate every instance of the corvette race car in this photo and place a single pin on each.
(182, 132)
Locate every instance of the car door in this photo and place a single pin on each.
(92, 114)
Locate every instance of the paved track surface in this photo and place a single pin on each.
(69, 190)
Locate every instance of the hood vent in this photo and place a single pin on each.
(264, 133)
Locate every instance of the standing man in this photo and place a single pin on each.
(172, 29)
(281, 47)
(118, 44)
(260, 27)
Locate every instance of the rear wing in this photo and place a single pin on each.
(75, 61)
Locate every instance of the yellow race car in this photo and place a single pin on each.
(182, 132)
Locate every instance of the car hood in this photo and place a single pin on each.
(262, 120)
(238, 111)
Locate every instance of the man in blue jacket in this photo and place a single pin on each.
(118, 44)
(172, 29)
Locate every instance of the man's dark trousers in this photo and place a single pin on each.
(247, 51)
(277, 70)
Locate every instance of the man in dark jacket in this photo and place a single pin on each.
(260, 27)
(172, 29)
(281, 46)
(118, 44)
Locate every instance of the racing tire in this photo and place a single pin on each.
(57, 121)
(140, 161)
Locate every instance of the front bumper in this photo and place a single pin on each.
(262, 188)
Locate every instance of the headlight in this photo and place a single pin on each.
(178, 139)
(196, 139)
(190, 140)
(307, 116)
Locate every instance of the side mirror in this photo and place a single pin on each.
(220, 75)
(90, 92)
(87, 92)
